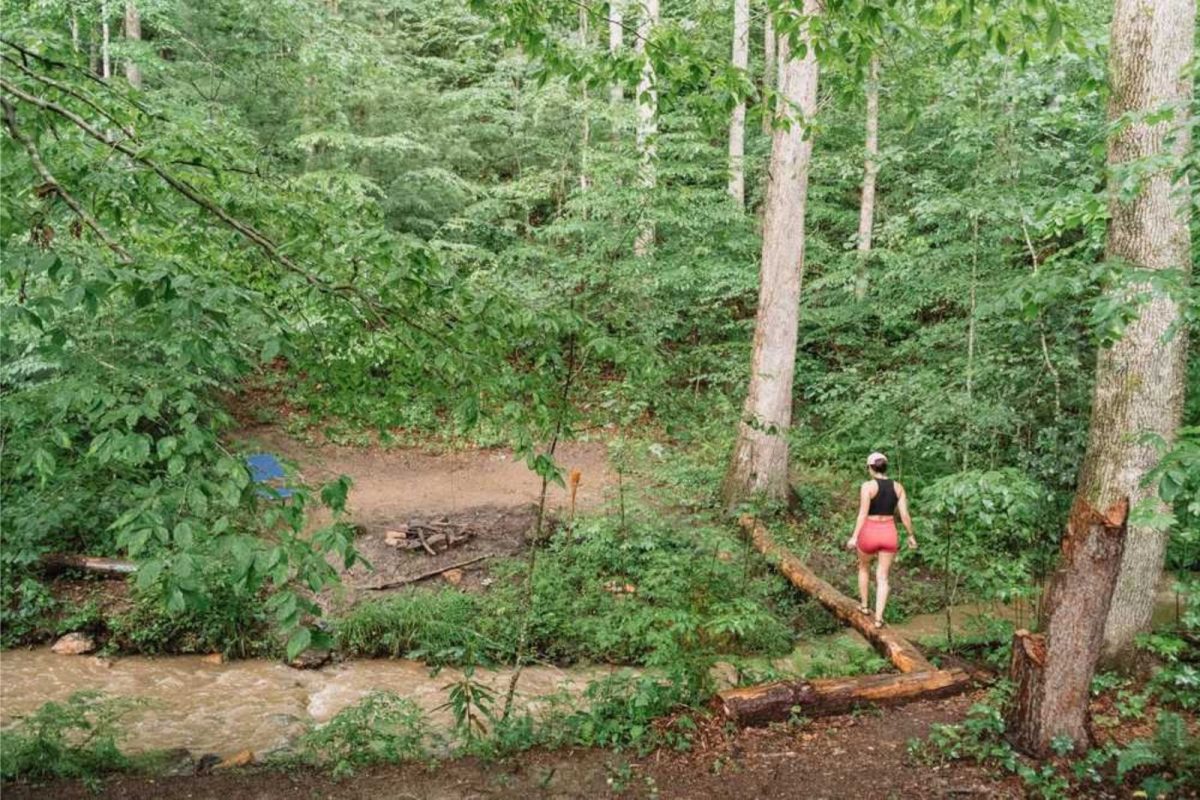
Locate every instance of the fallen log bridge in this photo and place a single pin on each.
(776, 702)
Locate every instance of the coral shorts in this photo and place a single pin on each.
(878, 536)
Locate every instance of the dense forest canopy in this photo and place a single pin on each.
(512, 223)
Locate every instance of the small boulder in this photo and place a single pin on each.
(453, 576)
(310, 659)
(74, 644)
(242, 758)
(214, 658)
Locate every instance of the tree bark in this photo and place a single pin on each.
(1140, 380)
(866, 212)
(647, 125)
(1053, 674)
(770, 65)
(776, 702)
(902, 653)
(737, 123)
(760, 456)
(133, 33)
(615, 23)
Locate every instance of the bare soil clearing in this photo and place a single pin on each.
(488, 495)
(848, 757)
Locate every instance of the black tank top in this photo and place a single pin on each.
(884, 502)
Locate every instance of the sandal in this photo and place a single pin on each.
(864, 610)
(879, 624)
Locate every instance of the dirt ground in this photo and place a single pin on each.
(849, 757)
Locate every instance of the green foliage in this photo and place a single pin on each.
(1177, 680)
(77, 738)
(382, 728)
(1162, 764)
(991, 530)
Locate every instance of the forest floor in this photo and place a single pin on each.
(848, 757)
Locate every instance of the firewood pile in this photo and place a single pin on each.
(434, 536)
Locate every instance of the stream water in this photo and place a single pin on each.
(263, 705)
(253, 704)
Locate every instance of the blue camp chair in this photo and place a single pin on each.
(265, 468)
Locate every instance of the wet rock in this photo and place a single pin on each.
(206, 763)
(310, 659)
(178, 762)
(101, 661)
(214, 658)
(242, 758)
(453, 576)
(74, 644)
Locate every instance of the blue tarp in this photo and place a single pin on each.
(264, 468)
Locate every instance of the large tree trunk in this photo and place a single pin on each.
(133, 33)
(737, 123)
(760, 455)
(615, 23)
(1140, 379)
(1053, 674)
(866, 211)
(770, 64)
(897, 649)
(647, 125)
(776, 702)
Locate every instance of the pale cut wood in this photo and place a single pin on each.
(902, 653)
(776, 702)
(108, 567)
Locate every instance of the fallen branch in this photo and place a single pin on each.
(776, 702)
(109, 567)
(894, 647)
(431, 574)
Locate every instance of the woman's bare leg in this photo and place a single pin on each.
(881, 583)
(864, 579)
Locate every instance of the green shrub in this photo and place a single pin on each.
(74, 739)
(439, 627)
(382, 728)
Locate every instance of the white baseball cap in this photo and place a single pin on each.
(876, 458)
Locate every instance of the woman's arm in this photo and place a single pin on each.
(864, 502)
(904, 517)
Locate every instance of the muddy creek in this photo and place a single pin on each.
(254, 704)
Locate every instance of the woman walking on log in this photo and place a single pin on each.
(875, 532)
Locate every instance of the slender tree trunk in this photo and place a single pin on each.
(105, 41)
(770, 65)
(133, 33)
(615, 22)
(866, 212)
(737, 124)
(1140, 379)
(647, 123)
(760, 455)
(74, 32)
(586, 126)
